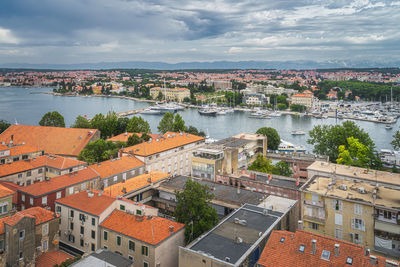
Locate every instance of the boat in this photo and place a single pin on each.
(285, 146)
(275, 114)
(152, 112)
(258, 114)
(298, 132)
(229, 110)
(388, 127)
(208, 111)
(221, 112)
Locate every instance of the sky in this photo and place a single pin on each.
(90, 31)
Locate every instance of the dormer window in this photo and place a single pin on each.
(325, 255)
(302, 248)
(349, 261)
(282, 239)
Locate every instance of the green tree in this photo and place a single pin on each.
(396, 140)
(194, 209)
(354, 153)
(99, 150)
(108, 125)
(328, 138)
(4, 125)
(160, 96)
(54, 119)
(134, 139)
(166, 123)
(273, 138)
(179, 123)
(138, 125)
(195, 131)
(298, 108)
(122, 125)
(81, 122)
(282, 168)
(261, 164)
(281, 106)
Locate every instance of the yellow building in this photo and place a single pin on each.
(302, 99)
(173, 94)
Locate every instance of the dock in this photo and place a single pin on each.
(131, 112)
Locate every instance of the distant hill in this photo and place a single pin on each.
(298, 64)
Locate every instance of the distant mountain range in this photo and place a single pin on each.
(297, 64)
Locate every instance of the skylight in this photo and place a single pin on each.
(301, 248)
(282, 239)
(325, 255)
(349, 261)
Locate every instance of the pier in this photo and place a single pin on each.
(131, 112)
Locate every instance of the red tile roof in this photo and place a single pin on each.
(52, 258)
(302, 95)
(21, 150)
(12, 187)
(124, 137)
(59, 182)
(4, 191)
(40, 214)
(94, 205)
(279, 252)
(115, 166)
(54, 140)
(169, 141)
(151, 230)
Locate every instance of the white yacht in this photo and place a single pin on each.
(298, 132)
(289, 147)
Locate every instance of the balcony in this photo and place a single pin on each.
(389, 227)
(316, 219)
(314, 203)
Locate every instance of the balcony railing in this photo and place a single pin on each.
(314, 219)
(314, 203)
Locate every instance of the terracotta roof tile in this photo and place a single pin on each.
(59, 182)
(4, 191)
(22, 149)
(134, 183)
(12, 187)
(115, 166)
(169, 141)
(54, 140)
(52, 258)
(302, 95)
(40, 214)
(94, 205)
(151, 230)
(282, 249)
(124, 137)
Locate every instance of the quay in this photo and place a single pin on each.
(131, 112)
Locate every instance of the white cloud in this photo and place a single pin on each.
(234, 50)
(7, 37)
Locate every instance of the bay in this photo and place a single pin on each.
(28, 105)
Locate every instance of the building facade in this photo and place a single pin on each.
(171, 94)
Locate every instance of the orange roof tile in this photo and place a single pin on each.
(40, 214)
(115, 166)
(301, 95)
(54, 140)
(23, 149)
(4, 191)
(3, 147)
(52, 258)
(277, 253)
(124, 137)
(59, 182)
(134, 183)
(57, 162)
(81, 201)
(168, 141)
(151, 230)
(12, 187)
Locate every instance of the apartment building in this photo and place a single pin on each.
(68, 142)
(305, 249)
(26, 234)
(171, 153)
(255, 99)
(118, 170)
(6, 200)
(125, 136)
(171, 94)
(302, 99)
(45, 193)
(147, 240)
(29, 171)
(82, 213)
(10, 153)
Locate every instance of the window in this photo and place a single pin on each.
(45, 229)
(44, 200)
(70, 169)
(40, 170)
(93, 247)
(44, 245)
(1, 244)
(358, 224)
(82, 230)
(82, 242)
(145, 251)
(71, 213)
(23, 197)
(58, 209)
(131, 245)
(82, 217)
(20, 255)
(349, 261)
(93, 221)
(58, 195)
(71, 238)
(115, 178)
(357, 238)
(121, 207)
(83, 186)
(31, 200)
(21, 234)
(338, 233)
(19, 175)
(71, 190)
(145, 264)
(29, 173)
(302, 248)
(357, 209)
(387, 214)
(138, 212)
(314, 226)
(338, 219)
(93, 234)
(118, 241)
(325, 255)
(282, 239)
(71, 226)
(105, 235)
(130, 257)
(336, 204)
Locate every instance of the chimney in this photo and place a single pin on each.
(300, 225)
(373, 260)
(337, 250)
(367, 252)
(171, 228)
(120, 153)
(12, 139)
(313, 246)
(149, 180)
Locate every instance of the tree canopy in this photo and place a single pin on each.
(54, 119)
(138, 125)
(261, 164)
(99, 150)
(194, 210)
(273, 138)
(396, 140)
(171, 123)
(81, 122)
(4, 125)
(355, 154)
(298, 108)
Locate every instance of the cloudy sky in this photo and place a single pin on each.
(86, 31)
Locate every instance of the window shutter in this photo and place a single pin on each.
(334, 204)
(352, 223)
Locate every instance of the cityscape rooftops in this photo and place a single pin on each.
(19, 150)
(135, 183)
(296, 249)
(232, 142)
(54, 140)
(355, 173)
(59, 182)
(149, 229)
(4, 191)
(103, 257)
(92, 202)
(114, 166)
(125, 136)
(169, 140)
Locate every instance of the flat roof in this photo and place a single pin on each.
(209, 150)
(232, 142)
(356, 172)
(221, 192)
(248, 223)
(356, 191)
(276, 203)
(101, 256)
(288, 183)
